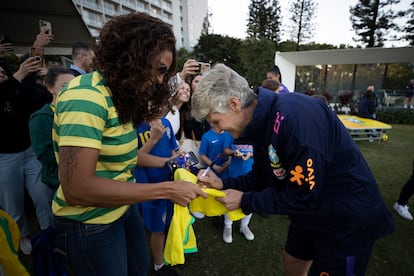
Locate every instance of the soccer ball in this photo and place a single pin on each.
(384, 137)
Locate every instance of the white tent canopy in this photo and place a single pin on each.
(287, 61)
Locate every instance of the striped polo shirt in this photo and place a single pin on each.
(85, 116)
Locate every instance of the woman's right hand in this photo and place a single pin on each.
(5, 47)
(210, 180)
(43, 39)
(183, 192)
(28, 66)
(190, 67)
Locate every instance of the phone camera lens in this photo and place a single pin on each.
(37, 58)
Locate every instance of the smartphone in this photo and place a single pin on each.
(45, 25)
(185, 161)
(38, 54)
(204, 66)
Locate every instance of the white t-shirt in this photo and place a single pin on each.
(174, 119)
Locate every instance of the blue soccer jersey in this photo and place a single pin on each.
(163, 148)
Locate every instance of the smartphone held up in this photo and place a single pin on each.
(203, 67)
(45, 26)
(38, 55)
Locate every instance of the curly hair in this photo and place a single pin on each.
(127, 49)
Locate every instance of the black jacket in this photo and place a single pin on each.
(17, 102)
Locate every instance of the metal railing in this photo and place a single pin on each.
(392, 97)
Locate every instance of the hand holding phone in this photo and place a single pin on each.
(185, 161)
(190, 67)
(5, 44)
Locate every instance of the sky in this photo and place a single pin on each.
(332, 21)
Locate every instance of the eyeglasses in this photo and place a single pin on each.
(162, 70)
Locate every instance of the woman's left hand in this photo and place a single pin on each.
(232, 200)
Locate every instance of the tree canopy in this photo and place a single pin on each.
(374, 22)
(302, 25)
(264, 20)
(251, 57)
(409, 26)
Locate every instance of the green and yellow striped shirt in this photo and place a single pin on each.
(86, 117)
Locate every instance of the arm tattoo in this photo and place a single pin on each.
(70, 155)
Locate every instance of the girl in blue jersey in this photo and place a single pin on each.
(156, 146)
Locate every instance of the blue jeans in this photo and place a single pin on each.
(19, 171)
(118, 248)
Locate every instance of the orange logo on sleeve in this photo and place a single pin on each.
(311, 176)
(298, 174)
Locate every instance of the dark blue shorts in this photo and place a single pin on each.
(156, 215)
(336, 251)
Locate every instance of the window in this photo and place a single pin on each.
(92, 4)
(92, 18)
(110, 8)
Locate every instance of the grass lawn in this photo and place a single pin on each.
(391, 163)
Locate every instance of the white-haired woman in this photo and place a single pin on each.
(308, 168)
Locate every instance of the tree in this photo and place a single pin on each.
(256, 56)
(373, 21)
(398, 75)
(206, 30)
(182, 55)
(216, 48)
(302, 14)
(409, 26)
(264, 20)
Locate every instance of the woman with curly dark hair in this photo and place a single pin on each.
(96, 145)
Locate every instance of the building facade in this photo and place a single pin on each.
(184, 16)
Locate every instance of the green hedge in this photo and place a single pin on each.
(403, 117)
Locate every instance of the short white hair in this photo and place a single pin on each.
(215, 90)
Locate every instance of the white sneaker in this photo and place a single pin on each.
(247, 233)
(198, 215)
(26, 246)
(227, 235)
(405, 106)
(411, 106)
(402, 210)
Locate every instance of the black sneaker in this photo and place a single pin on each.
(166, 270)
